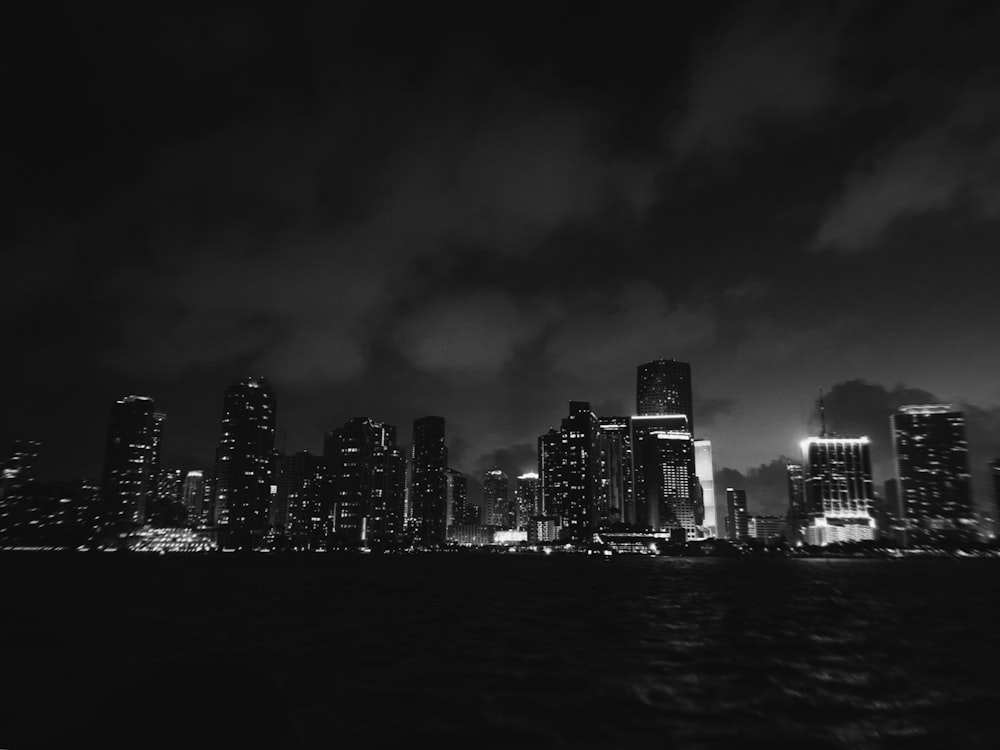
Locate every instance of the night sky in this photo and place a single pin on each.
(483, 211)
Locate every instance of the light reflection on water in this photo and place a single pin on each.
(556, 650)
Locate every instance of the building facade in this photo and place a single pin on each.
(131, 463)
(663, 386)
(429, 460)
(932, 466)
(837, 480)
(737, 518)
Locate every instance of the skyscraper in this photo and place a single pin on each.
(242, 482)
(167, 509)
(738, 528)
(497, 507)
(528, 499)
(456, 498)
(932, 465)
(706, 478)
(304, 503)
(654, 484)
(427, 481)
(616, 470)
(131, 462)
(837, 477)
(663, 386)
(570, 464)
(193, 496)
(798, 517)
(20, 466)
(368, 471)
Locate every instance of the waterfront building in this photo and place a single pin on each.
(470, 534)
(305, 497)
(737, 519)
(543, 529)
(663, 386)
(497, 507)
(131, 463)
(167, 509)
(570, 468)
(429, 460)
(767, 528)
(528, 499)
(798, 516)
(616, 471)
(244, 458)
(367, 473)
(665, 482)
(837, 478)
(705, 472)
(932, 466)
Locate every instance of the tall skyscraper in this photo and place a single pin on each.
(654, 482)
(368, 472)
(243, 462)
(131, 462)
(932, 465)
(616, 470)
(167, 509)
(706, 478)
(798, 517)
(528, 498)
(497, 507)
(456, 498)
(838, 489)
(738, 528)
(193, 496)
(664, 387)
(20, 466)
(304, 500)
(570, 464)
(427, 481)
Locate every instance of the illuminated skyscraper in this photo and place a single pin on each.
(664, 387)
(304, 498)
(19, 468)
(497, 507)
(706, 478)
(368, 472)
(243, 462)
(570, 464)
(798, 517)
(131, 462)
(932, 465)
(427, 481)
(167, 509)
(838, 489)
(664, 492)
(616, 470)
(528, 499)
(737, 519)
(457, 499)
(193, 496)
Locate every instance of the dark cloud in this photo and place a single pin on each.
(763, 65)
(947, 164)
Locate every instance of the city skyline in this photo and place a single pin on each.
(493, 217)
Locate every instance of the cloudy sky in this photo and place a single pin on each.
(484, 214)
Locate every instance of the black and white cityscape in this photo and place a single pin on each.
(500, 375)
(642, 483)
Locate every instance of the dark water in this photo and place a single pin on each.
(501, 650)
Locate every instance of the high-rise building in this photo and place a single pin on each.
(932, 465)
(738, 526)
(20, 466)
(193, 496)
(705, 472)
(798, 517)
(664, 387)
(616, 470)
(243, 462)
(131, 463)
(497, 507)
(837, 476)
(528, 499)
(995, 471)
(550, 476)
(427, 481)
(368, 472)
(167, 509)
(456, 498)
(303, 493)
(655, 482)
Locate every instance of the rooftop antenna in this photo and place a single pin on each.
(822, 415)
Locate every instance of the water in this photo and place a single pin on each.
(491, 651)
